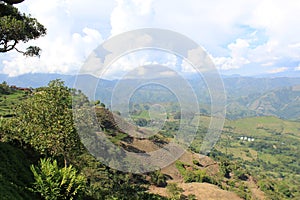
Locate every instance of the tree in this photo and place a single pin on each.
(16, 27)
(45, 122)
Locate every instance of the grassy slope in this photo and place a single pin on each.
(7, 102)
(274, 153)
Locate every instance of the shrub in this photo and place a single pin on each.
(53, 183)
(174, 191)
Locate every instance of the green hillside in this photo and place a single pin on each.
(266, 148)
(255, 158)
(270, 149)
(9, 98)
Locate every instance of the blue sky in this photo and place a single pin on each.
(247, 37)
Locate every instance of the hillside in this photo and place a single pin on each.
(257, 152)
(283, 103)
(255, 158)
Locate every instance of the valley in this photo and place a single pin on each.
(255, 157)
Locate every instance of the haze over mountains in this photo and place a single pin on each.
(246, 96)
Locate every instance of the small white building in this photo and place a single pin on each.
(245, 138)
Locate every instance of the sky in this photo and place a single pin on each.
(248, 37)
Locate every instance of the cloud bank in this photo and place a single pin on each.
(245, 37)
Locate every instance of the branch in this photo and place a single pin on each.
(30, 51)
(6, 46)
(19, 51)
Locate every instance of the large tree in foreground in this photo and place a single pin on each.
(45, 121)
(16, 27)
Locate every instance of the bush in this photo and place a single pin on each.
(193, 175)
(53, 183)
(141, 122)
(174, 191)
(158, 179)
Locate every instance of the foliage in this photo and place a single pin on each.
(174, 191)
(5, 89)
(226, 168)
(44, 121)
(16, 27)
(141, 122)
(191, 174)
(53, 183)
(13, 1)
(105, 118)
(158, 179)
(106, 183)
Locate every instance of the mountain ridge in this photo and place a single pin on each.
(246, 96)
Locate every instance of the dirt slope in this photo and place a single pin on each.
(200, 190)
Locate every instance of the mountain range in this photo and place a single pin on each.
(246, 96)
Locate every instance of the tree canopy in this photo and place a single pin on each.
(13, 1)
(45, 121)
(16, 27)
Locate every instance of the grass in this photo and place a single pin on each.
(8, 102)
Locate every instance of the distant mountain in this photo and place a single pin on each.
(289, 73)
(244, 86)
(246, 96)
(283, 103)
(36, 79)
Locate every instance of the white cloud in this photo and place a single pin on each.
(63, 49)
(238, 56)
(230, 31)
(131, 14)
(278, 70)
(241, 36)
(59, 55)
(130, 62)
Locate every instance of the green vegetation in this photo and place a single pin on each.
(52, 182)
(258, 152)
(44, 121)
(42, 127)
(268, 149)
(158, 179)
(9, 98)
(263, 149)
(174, 191)
(192, 173)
